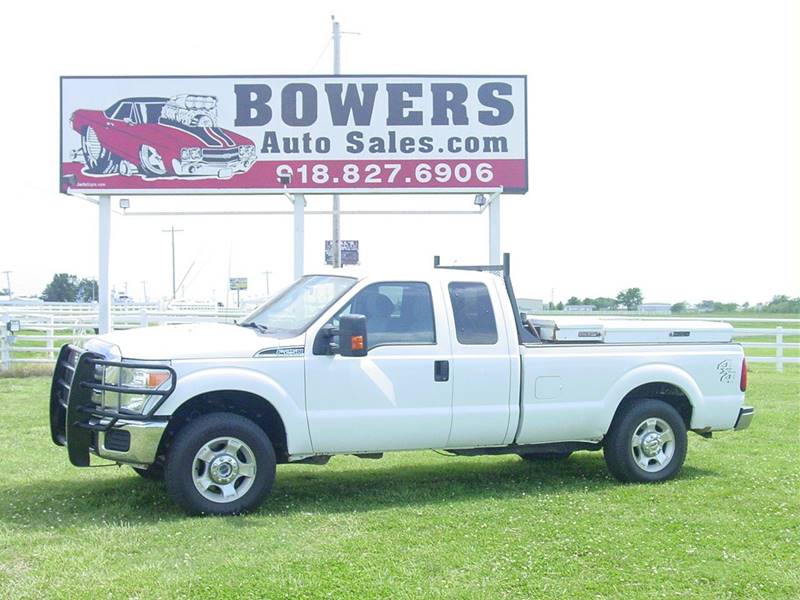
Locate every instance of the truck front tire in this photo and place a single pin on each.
(646, 443)
(220, 464)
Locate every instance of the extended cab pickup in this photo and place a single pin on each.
(438, 360)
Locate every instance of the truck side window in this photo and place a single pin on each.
(473, 313)
(397, 313)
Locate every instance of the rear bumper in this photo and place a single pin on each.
(745, 417)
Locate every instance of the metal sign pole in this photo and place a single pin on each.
(337, 234)
(494, 230)
(299, 201)
(104, 249)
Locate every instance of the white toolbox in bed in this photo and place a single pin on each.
(614, 330)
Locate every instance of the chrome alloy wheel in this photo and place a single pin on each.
(224, 469)
(151, 160)
(653, 444)
(92, 148)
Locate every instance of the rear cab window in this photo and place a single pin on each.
(473, 313)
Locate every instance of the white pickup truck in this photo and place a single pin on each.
(438, 360)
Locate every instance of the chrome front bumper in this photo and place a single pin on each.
(745, 418)
(132, 442)
(220, 170)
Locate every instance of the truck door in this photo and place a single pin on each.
(483, 365)
(398, 396)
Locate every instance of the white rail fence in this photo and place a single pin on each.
(44, 329)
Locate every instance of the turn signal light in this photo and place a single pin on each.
(743, 377)
(156, 378)
(357, 342)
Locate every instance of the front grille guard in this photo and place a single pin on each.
(72, 406)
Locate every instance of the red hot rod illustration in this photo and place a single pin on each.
(161, 137)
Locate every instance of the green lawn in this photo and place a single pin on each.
(414, 525)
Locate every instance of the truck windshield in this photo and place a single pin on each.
(299, 305)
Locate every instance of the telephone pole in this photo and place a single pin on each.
(337, 69)
(266, 275)
(8, 282)
(172, 231)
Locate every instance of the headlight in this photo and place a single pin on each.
(190, 154)
(246, 151)
(151, 379)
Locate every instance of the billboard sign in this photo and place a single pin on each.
(238, 283)
(306, 134)
(348, 252)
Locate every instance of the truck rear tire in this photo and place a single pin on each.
(220, 464)
(646, 443)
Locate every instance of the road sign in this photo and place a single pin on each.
(349, 252)
(238, 283)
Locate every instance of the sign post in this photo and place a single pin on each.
(299, 202)
(495, 257)
(104, 249)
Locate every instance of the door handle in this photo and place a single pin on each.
(441, 370)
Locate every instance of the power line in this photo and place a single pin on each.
(321, 54)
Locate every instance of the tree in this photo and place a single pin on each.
(783, 304)
(560, 306)
(706, 306)
(725, 306)
(573, 300)
(679, 307)
(86, 290)
(63, 288)
(4, 292)
(630, 298)
(601, 303)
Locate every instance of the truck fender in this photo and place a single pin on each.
(652, 373)
(214, 379)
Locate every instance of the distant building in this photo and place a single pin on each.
(658, 308)
(580, 307)
(530, 305)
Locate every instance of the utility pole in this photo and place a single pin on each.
(8, 282)
(172, 231)
(337, 69)
(266, 279)
(144, 290)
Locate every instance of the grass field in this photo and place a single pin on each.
(414, 525)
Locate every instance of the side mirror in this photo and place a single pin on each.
(353, 335)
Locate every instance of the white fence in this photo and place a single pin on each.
(55, 325)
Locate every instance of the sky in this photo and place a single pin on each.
(663, 143)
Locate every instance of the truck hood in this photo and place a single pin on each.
(616, 330)
(193, 341)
